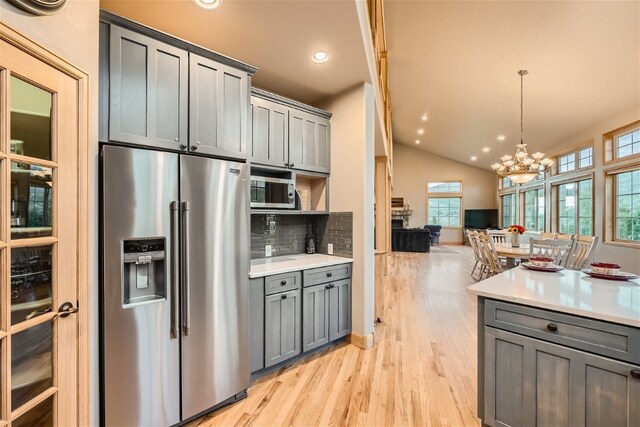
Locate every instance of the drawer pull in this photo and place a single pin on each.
(327, 287)
(635, 373)
(552, 327)
(329, 274)
(284, 296)
(284, 282)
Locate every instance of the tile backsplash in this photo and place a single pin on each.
(287, 234)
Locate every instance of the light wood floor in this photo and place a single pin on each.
(422, 370)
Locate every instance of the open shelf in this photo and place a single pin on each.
(313, 192)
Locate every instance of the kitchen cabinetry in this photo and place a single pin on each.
(148, 91)
(298, 311)
(529, 380)
(166, 93)
(289, 134)
(218, 97)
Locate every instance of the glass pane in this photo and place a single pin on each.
(585, 227)
(31, 363)
(30, 282)
(31, 201)
(40, 416)
(30, 120)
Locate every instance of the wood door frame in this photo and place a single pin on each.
(82, 79)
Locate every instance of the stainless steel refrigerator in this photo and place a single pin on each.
(175, 264)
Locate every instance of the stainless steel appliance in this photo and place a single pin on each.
(269, 192)
(174, 319)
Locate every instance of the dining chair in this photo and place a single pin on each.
(559, 250)
(548, 236)
(472, 236)
(497, 236)
(563, 236)
(491, 264)
(581, 250)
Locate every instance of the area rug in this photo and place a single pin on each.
(443, 250)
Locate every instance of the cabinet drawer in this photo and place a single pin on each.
(282, 282)
(332, 273)
(598, 337)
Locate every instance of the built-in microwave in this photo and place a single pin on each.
(272, 193)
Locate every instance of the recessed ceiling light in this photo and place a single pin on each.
(501, 138)
(474, 158)
(420, 131)
(417, 141)
(424, 117)
(320, 57)
(486, 149)
(208, 4)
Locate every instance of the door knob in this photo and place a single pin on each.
(65, 310)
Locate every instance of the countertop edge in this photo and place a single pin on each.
(306, 266)
(562, 309)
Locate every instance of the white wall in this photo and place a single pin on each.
(413, 168)
(72, 34)
(351, 190)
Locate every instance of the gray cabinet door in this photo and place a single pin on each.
(315, 316)
(282, 326)
(270, 133)
(309, 142)
(339, 309)
(532, 382)
(148, 91)
(256, 323)
(218, 108)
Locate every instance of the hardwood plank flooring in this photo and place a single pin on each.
(421, 372)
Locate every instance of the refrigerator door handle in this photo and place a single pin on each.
(185, 264)
(175, 270)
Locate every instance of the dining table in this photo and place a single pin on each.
(506, 250)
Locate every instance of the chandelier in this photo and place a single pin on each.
(523, 167)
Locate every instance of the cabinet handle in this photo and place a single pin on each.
(177, 139)
(183, 146)
(286, 164)
(291, 165)
(327, 287)
(329, 274)
(635, 373)
(284, 282)
(195, 146)
(552, 327)
(284, 296)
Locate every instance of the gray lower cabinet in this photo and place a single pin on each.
(339, 309)
(282, 335)
(531, 382)
(148, 91)
(270, 133)
(309, 142)
(315, 316)
(218, 104)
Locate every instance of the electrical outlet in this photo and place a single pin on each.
(330, 248)
(267, 250)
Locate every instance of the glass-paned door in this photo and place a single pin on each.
(38, 242)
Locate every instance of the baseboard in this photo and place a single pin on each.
(362, 341)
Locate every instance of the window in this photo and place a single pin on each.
(575, 207)
(444, 211)
(444, 187)
(534, 210)
(627, 206)
(627, 143)
(506, 183)
(507, 203)
(577, 159)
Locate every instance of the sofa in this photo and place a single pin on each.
(435, 233)
(410, 240)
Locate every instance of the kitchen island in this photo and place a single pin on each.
(558, 349)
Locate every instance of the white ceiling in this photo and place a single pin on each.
(277, 36)
(458, 62)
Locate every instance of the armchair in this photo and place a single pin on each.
(435, 233)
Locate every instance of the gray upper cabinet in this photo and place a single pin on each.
(218, 108)
(282, 326)
(148, 91)
(270, 133)
(308, 142)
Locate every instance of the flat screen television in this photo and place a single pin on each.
(481, 218)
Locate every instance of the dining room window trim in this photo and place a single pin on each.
(609, 149)
(523, 207)
(576, 152)
(555, 201)
(610, 206)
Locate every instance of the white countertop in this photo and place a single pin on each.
(566, 291)
(284, 264)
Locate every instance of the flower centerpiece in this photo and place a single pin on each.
(515, 230)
